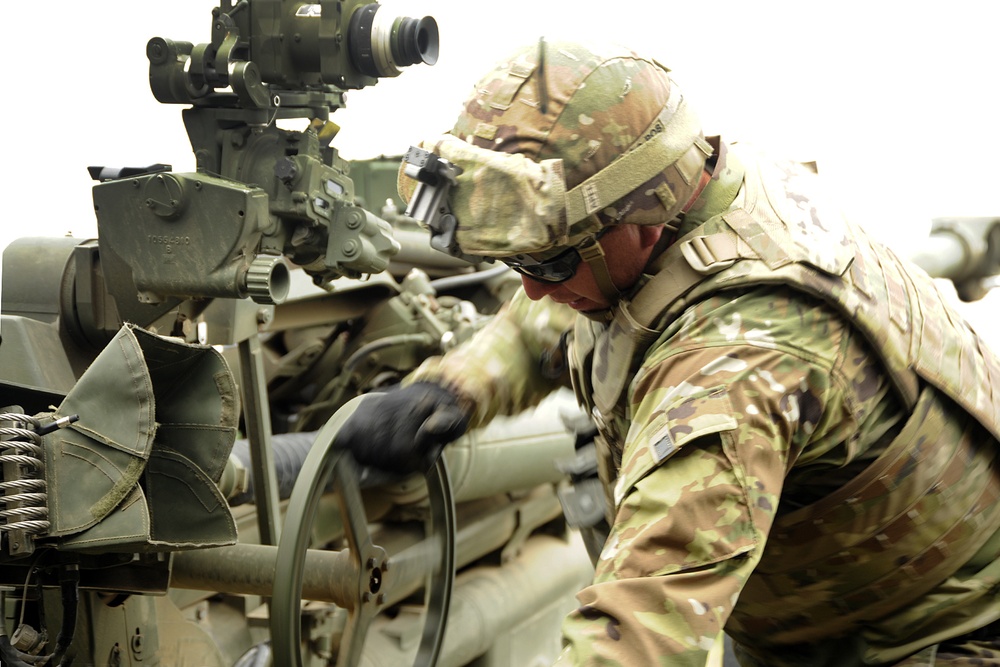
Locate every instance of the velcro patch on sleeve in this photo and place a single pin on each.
(681, 421)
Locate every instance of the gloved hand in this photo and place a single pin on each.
(405, 429)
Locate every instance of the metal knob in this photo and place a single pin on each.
(268, 279)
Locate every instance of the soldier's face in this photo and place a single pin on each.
(626, 249)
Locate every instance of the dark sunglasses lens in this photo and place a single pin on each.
(559, 269)
(542, 274)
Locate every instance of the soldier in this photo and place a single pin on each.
(797, 434)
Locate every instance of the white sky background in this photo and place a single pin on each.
(896, 101)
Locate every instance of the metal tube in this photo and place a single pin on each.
(248, 569)
(514, 453)
(257, 416)
(943, 255)
(489, 602)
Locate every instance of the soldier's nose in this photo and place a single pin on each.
(536, 289)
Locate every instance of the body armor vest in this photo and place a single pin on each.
(919, 512)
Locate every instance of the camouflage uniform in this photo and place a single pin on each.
(799, 442)
(797, 435)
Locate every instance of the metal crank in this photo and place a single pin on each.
(371, 581)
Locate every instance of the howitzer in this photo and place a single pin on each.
(273, 257)
(258, 296)
(965, 251)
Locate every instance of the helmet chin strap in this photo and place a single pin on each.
(592, 253)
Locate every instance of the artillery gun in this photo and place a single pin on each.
(259, 296)
(296, 268)
(964, 250)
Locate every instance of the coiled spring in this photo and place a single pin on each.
(24, 501)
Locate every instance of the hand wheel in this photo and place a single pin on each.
(370, 582)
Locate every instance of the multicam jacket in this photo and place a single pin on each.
(799, 435)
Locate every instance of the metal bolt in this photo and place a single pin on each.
(354, 220)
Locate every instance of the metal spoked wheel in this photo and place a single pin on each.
(370, 580)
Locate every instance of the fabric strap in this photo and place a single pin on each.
(640, 164)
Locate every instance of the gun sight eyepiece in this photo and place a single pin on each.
(382, 44)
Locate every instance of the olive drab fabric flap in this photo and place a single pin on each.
(197, 509)
(94, 463)
(196, 407)
(138, 470)
(127, 524)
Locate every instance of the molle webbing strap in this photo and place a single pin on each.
(632, 324)
(884, 539)
(516, 77)
(678, 131)
(681, 267)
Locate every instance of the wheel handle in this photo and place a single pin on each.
(369, 561)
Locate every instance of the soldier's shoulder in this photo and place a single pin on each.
(761, 316)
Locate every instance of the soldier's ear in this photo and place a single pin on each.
(650, 234)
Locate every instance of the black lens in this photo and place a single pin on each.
(380, 44)
(559, 269)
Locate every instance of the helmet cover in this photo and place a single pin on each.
(535, 142)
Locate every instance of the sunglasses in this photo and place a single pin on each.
(559, 269)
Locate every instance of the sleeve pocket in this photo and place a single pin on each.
(676, 424)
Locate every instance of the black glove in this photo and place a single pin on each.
(403, 430)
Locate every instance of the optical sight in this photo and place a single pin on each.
(270, 47)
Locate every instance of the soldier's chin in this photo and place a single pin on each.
(585, 305)
(597, 314)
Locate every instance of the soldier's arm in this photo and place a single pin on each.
(722, 408)
(682, 547)
(499, 370)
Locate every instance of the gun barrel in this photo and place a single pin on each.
(942, 256)
(248, 569)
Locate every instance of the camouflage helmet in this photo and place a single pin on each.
(568, 111)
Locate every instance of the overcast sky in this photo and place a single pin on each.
(895, 100)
